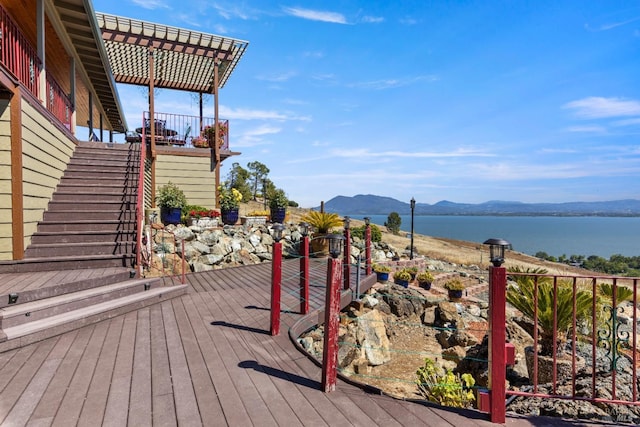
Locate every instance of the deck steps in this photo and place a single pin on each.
(95, 204)
(73, 311)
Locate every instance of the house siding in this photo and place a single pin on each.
(46, 151)
(192, 174)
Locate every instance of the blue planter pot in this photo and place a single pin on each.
(403, 283)
(278, 215)
(230, 217)
(455, 294)
(382, 277)
(170, 215)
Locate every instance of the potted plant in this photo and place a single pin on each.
(413, 271)
(402, 278)
(229, 204)
(255, 218)
(209, 133)
(454, 287)
(424, 279)
(200, 142)
(278, 203)
(171, 199)
(323, 223)
(382, 272)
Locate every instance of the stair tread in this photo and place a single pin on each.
(13, 310)
(80, 244)
(60, 319)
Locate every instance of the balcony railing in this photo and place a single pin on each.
(179, 130)
(20, 59)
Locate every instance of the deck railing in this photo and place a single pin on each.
(179, 130)
(20, 59)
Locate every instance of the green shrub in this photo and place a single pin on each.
(454, 284)
(376, 234)
(381, 268)
(424, 277)
(521, 296)
(402, 275)
(170, 196)
(445, 388)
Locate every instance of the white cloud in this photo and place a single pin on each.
(393, 83)
(151, 4)
(254, 137)
(362, 153)
(611, 25)
(627, 122)
(316, 15)
(587, 129)
(595, 107)
(372, 19)
(247, 114)
(283, 77)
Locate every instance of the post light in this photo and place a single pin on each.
(496, 250)
(304, 228)
(335, 244)
(347, 222)
(367, 220)
(413, 207)
(277, 231)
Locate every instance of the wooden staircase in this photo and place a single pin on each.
(91, 218)
(78, 268)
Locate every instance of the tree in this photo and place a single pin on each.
(257, 171)
(393, 222)
(238, 178)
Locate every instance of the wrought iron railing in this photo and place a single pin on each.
(178, 130)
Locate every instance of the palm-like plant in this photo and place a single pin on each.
(522, 297)
(322, 222)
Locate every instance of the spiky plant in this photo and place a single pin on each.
(322, 222)
(522, 297)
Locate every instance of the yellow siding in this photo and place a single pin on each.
(6, 246)
(45, 154)
(192, 174)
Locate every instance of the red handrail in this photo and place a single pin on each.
(140, 207)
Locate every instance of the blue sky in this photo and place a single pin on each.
(466, 101)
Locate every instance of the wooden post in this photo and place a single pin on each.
(276, 282)
(304, 275)
(347, 259)
(331, 325)
(367, 249)
(497, 340)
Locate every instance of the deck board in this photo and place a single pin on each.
(205, 358)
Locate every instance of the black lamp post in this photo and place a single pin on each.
(413, 207)
(304, 228)
(496, 250)
(347, 222)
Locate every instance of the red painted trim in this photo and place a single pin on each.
(276, 284)
(367, 250)
(304, 275)
(331, 326)
(497, 338)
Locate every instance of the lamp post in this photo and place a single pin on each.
(276, 279)
(347, 252)
(304, 268)
(413, 207)
(332, 314)
(264, 193)
(367, 244)
(497, 336)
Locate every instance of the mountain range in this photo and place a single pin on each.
(379, 205)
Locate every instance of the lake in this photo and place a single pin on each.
(602, 236)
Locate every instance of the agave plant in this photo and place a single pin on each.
(521, 296)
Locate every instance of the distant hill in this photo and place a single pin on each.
(378, 205)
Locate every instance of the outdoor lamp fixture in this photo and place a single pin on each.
(367, 220)
(496, 250)
(277, 231)
(335, 244)
(304, 228)
(347, 222)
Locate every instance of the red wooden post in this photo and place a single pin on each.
(497, 340)
(304, 275)
(184, 262)
(347, 258)
(331, 326)
(367, 248)
(276, 279)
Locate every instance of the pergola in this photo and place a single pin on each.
(159, 56)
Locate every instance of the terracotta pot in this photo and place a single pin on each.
(319, 246)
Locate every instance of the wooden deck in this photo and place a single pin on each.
(205, 358)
